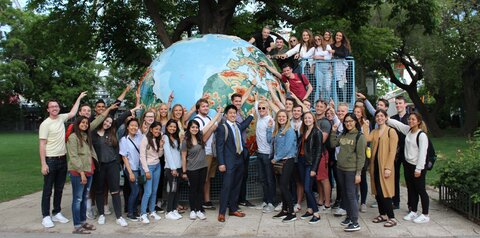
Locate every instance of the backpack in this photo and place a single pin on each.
(431, 155)
(302, 77)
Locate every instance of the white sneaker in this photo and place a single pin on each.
(279, 207)
(421, 219)
(47, 222)
(177, 214)
(144, 219)
(60, 218)
(201, 216)
(101, 220)
(410, 216)
(326, 209)
(90, 214)
(120, 221)
(340, 212)
(268, 208)
(297, 208)
(155, 216)
(261, 206)
(106, 210)
(171, 216)
(193, 215)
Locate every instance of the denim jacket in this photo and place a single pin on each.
(284, 146)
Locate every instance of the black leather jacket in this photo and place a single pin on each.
(312, 148)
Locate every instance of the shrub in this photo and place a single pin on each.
(462, 173)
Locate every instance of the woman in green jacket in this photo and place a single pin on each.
(81, 156)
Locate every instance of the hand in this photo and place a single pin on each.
(358, 179)
(270, 123)
(296, 56)
(184, 176)
(171, 97)
(263, 98)
(182, 136)
(222, 168)
(148, 175)
(219, 109)
(287, 86)
(251, 111)
(83, 178)
(387, 173)
(128, 87)
(366, 122)
(82, 95)
(263, 64)
(131, 177)
(174, 173)
(334, 127)
(45, 169)
(254, 82)
(162, 142)
(269, 56)
(273, 161)
(361, 96)
(113, 106)
(269, 49)
(255, 96)
(417, 174)
(313, 174)
(332, 103)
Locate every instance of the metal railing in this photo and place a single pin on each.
(461, 202)
(330, 79)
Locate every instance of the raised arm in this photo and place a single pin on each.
(271, 69)
(368, 105)
(100, 118)
(309, 91)
(366, 131)
(75, 106)
(249, 90)
(124, 92)
(212, 125)
(305, 108)
(398, 125)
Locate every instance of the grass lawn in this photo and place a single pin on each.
(20, 171)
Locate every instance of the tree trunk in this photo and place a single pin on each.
(471, 93)
(428, 117)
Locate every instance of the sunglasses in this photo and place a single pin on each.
(262, 108)
(293, 40)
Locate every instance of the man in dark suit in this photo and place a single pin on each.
(230, 159)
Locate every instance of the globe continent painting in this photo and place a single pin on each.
(211, 66)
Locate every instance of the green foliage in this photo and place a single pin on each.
(462, 172)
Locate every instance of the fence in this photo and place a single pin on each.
(461, 202)
(330, 79)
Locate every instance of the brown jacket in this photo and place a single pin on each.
(386, 146)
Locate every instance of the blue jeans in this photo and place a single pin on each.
(307, 180)
(267, 178)
(134, 190)
(79, 199)
(150, 189)
(54, 179)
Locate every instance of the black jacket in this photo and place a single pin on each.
(312, 148)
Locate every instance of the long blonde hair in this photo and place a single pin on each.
(277, 125)
(159, 116)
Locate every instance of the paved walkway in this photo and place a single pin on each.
(21, 218)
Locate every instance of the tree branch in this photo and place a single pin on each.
(154, 12)
(184, 25)
(393, 78)
(278, 10)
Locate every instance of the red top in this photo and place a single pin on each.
(297, 86)
(87, 173)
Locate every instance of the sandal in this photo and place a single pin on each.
(89, 227)
(81, 230)
(390, 223)
(379, 219)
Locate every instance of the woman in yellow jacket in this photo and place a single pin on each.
(384, 142)
(81, 166)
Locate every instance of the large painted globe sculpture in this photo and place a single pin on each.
(211, 66)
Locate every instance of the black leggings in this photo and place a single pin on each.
(196, 179)
(385, 206)
(108, 173)
(172, 189)
(287, 202)
(416, 188)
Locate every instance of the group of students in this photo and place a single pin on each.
(310, 52)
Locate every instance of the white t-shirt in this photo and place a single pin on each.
(203, 121)
(53, 130)
(261, 132)
(320, 52)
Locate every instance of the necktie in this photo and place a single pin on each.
(237, 139)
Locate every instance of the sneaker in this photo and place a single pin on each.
(289, 218)
(171, 216)
(159, 210)
(193, 215)
(60, 218)
(314, 220)
(352, 227)
(268, 208)
(155, 216)
(47, 222)
(363, 208)
(374, 205)
(208, 205)
(261, 206)
(297, 208)
(90, 214)
(421, 219)
(177, 214)
(278, 208)
(336, 204)
(106, 210)
(201, 216)
(144, 219)
(246, 203)
(326, 209)
(132, 217)
(346, 222)
(340, 212)
(410, 216)
(101, 220)
(280, 215)
(306, 215)
(120, 221)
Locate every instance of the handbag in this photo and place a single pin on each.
(278, 166)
